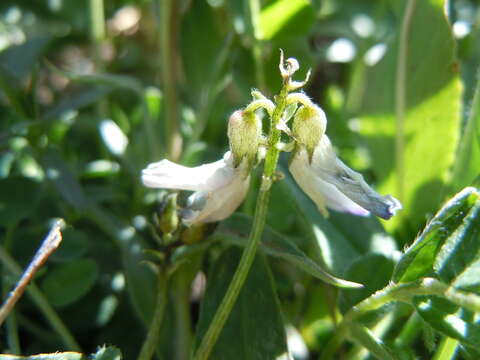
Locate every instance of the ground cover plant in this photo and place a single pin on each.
(221, 179)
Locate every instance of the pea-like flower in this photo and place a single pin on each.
(330, 183)
(219, 186)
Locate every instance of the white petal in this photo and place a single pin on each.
(168, 175)
(321, 192)
(218, 204)
(329, 182)
(220, 188)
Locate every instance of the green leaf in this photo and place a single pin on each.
(18, 199)
(55, 356)
(366, 338)
(68, 283)
(200, 48)
(334, 249)
(235, 230)
(18, 61)
(60, 174)
(374, 271)
(107, 353)
(111, 80)
(74, 245)
(432, 112)
(340, 239)
(287, 18)
(466, 169)
(77, 99)
(254, 329)
(448, 244)
(447, 322)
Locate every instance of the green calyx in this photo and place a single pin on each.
(244, 133)
(309, 125)
(168, 221)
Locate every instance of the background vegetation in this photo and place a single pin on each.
(91, 92)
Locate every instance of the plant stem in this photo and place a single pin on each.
(39, 299)
(97, 35)
(447, 349)
(168, 31)
(409, 331)
(400, 292)
(253, 7)
(151, 342)
(271, 159)
(401, 99)
(183, 331)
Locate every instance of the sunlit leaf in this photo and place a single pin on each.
(448, 244)
(432, 112)
(54, 356)
(467, 168)
(287, 17)
(447, 322)
(107, 353)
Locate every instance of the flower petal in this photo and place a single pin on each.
(220, 188)
(168, 175)
(321, 192)
(217, 205)
(346, 190)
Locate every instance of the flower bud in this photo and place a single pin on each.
(309, 125)
(244, 133)
(168, 221)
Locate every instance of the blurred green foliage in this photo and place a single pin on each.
(88, 91)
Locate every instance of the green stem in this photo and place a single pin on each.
(97, 35)
(183, 338)
(42, 303)
(399, 292)
(253, 7)
(447, 349)
(401, 99)
(271, 159)
(409, 332)
(151, 342)
(168, 31)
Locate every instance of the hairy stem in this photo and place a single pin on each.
(151, 341)
(399, 292)
(225, 308)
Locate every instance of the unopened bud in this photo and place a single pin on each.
(309, 125)
(169, 219)
(244, 133)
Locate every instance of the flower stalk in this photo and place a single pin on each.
(220, 187)
(270, 165)
(151, 341)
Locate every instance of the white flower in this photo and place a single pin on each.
(330, 183)
(219, 187)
